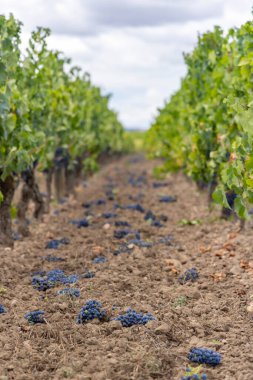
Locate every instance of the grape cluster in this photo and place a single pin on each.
(16, 236)
(157, 223)
(167, 199)
(120, 234)
(54, 244)
(100, 202)
(108, 215)
(136, 207)
(140, 243)
(35, 316)
(231, 196)
(61, 157)
(117, 206)
(137, 182)
(189, 275)
(52, 279)
(88, 274)
(80, 223)
(166, 240)
(99, 260)
(72, 292)
(87, 205)
(2, 309)
(121, 223)
(163, 218)
(131, 317)
(156, 185)
(195, 376)
(109, 194)
(204, 356)
(52, 258)
(91, 310)
(150, 216)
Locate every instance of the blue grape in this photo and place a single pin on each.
(80, 223)
(167, 199)
(72, 292)
(87, 204)
(156, 185)
(35, 316)
(52, 258)
(100, 202)
(91, 310)
(157, 223)
(121, 223)
(150, 216)
(189, 275)
(136, 207)
(99, 260)
(140, 243)
(194, 376)
(88, 274)
(131, 317)
(53, 244)
(204, 356)
(2, 309)
(108, 215)
(53, 278)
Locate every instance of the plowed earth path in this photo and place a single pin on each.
(210, 312)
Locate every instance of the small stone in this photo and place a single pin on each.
(236, 270)
(152, 325)
(196, 295)
(106, 226)
(164, 328)
(114, 325)
(250, 309)
(63, 306)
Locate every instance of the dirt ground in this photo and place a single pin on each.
(210, 312)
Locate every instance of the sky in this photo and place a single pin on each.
(132, 48)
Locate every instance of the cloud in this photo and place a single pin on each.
(92, 17)
(132, 48)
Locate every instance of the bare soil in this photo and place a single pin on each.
(211, 312)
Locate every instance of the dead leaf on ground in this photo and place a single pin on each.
(203, 249)
(218, 276)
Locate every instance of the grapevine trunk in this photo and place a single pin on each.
(7, 188)
(30, 191)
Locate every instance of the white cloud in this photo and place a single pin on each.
(132, 48)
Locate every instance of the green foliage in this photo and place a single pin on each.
(46, 104)
(136, 140)
(206, 128)
(187, 222)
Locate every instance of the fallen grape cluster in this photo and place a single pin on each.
(195, 377)
(91, 310)
(52, 278)
(99, 260)
(35, 316)
(2, 309)
(131, 317)
(189, 275)
(80, 223)
(204, 356)
(54, 244)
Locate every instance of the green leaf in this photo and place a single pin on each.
(240, 208)
(244, 61)
(219, 196)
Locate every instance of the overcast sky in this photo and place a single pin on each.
(132, 48)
